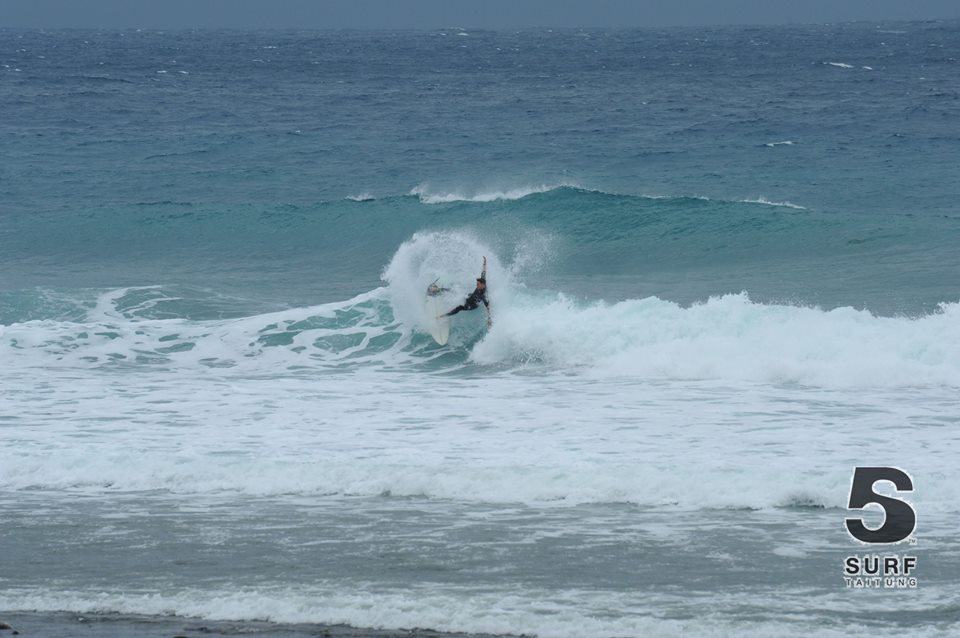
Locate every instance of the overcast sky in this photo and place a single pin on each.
(429, 14)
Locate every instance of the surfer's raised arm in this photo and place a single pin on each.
(486, 302)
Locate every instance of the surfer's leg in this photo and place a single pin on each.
(470, 304)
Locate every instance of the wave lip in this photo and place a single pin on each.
(361, 197)
(766, 202)
(428, 196)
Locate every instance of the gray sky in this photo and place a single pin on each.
(428, 14)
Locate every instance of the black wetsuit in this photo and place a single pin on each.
(474, 300)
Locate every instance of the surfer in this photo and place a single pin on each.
(476, 297)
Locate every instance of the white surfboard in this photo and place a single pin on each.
(439, 328)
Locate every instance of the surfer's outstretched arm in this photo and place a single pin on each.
(486, 303)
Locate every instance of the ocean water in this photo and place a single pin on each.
(723, 270)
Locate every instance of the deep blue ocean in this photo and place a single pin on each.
(724, 271)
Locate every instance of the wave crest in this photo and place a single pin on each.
(429, 196)
(729, 338)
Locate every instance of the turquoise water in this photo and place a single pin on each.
(723, 272)
(128, 154)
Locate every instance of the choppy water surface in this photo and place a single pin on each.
(722, 274)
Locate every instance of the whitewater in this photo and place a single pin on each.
(722, 272)
(641, 427)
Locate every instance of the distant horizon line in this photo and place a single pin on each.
(487, 28)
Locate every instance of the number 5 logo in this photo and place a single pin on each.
(899, 518)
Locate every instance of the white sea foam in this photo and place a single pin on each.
(784, 143)
(842, 65)
(362, 197)
(559, 458)
(701, 198)
(763, 200)
(429, 196)
(111, 336)
(546, 613)
(730, 337)
(727, 337)
(642, 401)
(562, 402)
